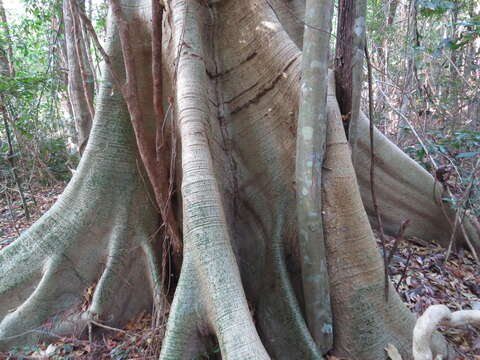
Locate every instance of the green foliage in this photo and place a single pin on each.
(39, 128)
(459, 150)
(472, 32)
(57, 157)
(435, 7)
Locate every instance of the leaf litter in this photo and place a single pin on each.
(418, 270)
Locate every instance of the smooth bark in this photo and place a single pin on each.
(311, 136)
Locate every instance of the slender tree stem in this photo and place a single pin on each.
(372, 171)
(311, 139)
(11, 161)
(80, 52)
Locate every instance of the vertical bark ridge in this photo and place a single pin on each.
(77, 96)
(280, 318)
(206, 235)
(183, 339)
(257, 71)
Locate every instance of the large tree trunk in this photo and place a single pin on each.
(100, 233)
(232, 74)
(357, 282)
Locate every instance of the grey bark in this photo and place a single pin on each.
(311, 135)
(234, 95)
(100, 234)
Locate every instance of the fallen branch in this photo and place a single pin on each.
(404, 273)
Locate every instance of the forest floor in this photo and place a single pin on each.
(418, 270)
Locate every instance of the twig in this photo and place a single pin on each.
(12, 214)
(410, 125)
(435, 166)
(96, 323)
(372, 171)
(11, 161)
(90, 333)
(404, 273)
(398, 237)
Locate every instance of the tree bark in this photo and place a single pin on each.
(100, 234)
(233, 78)
(80, 82)
(312, 126)
(350, 47)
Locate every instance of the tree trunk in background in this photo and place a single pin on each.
(66, 104)
(350, 50)
(407, 102)
(472, 65)
(77, 93)
(383, 61)
(6, 53)
(7, 69)
(455, 83)
(232, 77)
